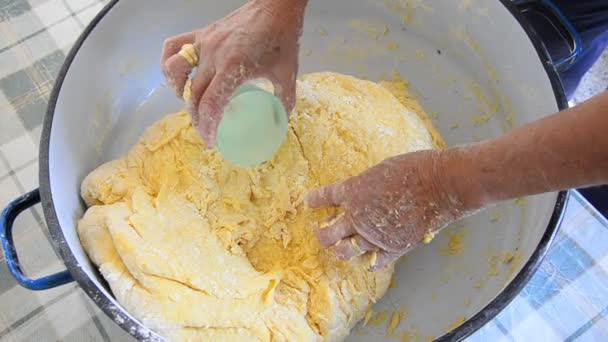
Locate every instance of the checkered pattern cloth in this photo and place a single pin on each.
(566, 300)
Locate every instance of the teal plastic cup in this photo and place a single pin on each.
(253, 126)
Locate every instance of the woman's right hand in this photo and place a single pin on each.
(392, 207)
(258, 40)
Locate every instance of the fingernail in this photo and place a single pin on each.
(209, 143)
(210, 140)
(373, 259)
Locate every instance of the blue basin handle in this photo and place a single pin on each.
(9, 214)
(561, 22)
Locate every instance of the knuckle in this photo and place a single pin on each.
(170, 43)
(334, 192)
(176, 66)
(168, 68)
(325, 193)
(234, 59)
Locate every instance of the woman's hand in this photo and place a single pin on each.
(258, 40)
(390, 208)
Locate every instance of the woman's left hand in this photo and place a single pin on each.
(258, 40)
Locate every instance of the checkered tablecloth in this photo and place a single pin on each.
(566, 300)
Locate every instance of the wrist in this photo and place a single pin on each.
(458, 178)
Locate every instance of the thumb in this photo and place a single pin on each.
(212, 103)
(327, 196)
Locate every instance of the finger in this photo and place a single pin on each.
(327, 196)
(176, 70)
(200, 83)
(337, 229)
(351, 247)
(380, 259)
(172, 45)
(285, 88)
(213, 101)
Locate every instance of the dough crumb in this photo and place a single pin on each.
(392, 46)
(393, 323)
(377, 319)
(368, 315)
(458, 322)
(403, 260)
(428, 237)
(507, 257)
(454, 246)
(514, 264)
(520, 201)
(479, 120)
(492, 262)
(405, 336)
(420, 55)
(495, 216)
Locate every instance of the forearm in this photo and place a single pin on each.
(565, 150)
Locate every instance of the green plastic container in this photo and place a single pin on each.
(253, 127)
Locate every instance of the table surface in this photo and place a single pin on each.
(567, 299)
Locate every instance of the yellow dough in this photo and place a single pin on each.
(198, 249)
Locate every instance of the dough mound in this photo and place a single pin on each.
(198, 249)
